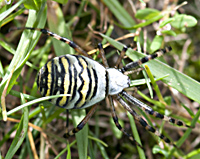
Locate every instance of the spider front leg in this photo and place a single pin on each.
(82, 123)
(102, 53)
(145, 59)
(103, 57)
(121, 56)
(58, 37)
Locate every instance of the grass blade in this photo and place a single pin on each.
(20, 135)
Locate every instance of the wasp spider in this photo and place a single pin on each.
(88, 83)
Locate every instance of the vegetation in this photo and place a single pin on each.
(31, 126)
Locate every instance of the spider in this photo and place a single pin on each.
(88, 83)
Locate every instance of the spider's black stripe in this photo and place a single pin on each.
(75, 83)
(90, 84)
(63, 39)
(164, 138)
(73, 45)
(156, 114)
(115, 119)
(90, 80)
(96, 83)
(62, 77)
(179, 123)
(56, 87)
(151, 129)
(43, 84)
(145, 59)
(70, 79)
(52, 77)
(107, 83)
(82, 83)
(146, 126)
(56, 75)
(44, 31)
(56, 80)
(39, 81)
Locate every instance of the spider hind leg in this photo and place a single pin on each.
(82, 123)
(150, 111)
(115, 119)
(143, 122)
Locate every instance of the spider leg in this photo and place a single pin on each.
(58, 37)
(145, 59)
(115, 119)
(143, 122)
(82, 123)
(150, 111)
(103, 57)
(121, 56)
(134, 71)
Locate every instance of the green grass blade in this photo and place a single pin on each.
(148, 22)
(101, 146)
(138, 82)
(1, 70)
(136, 136)
(155, 86)
(193, 155)
(20, 135)
(66, 149)
(10, 10)
(120, 13)
(56, 23)
(7, 47)
(33, 102)
(81, 136)
(12, 16)
(26, 45)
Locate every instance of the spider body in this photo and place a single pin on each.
(87, 81)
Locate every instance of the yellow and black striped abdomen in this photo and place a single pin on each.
(83, 79)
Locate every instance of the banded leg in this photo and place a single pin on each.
(143, 122)
(58, 37)
(115, 119)
(121, 56)
(150, 111)
(82, 123)
(145, 59)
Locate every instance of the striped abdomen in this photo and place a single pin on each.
(82, 78)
